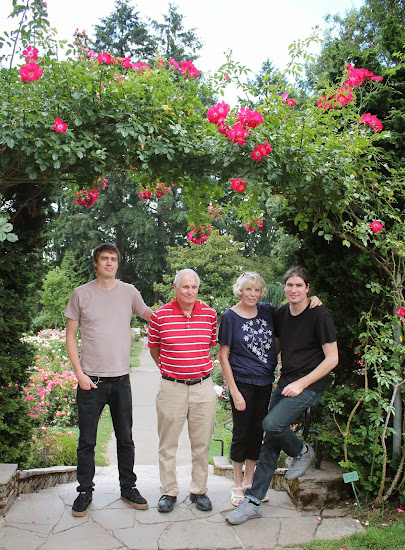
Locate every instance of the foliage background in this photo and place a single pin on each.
(326, 180)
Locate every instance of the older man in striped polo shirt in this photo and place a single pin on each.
(180, 336)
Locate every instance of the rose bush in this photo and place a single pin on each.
(153, 120)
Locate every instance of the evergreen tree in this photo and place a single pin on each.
(173, 40)
(124, 34)
(140, 229)
(266, 79)
(20, 275)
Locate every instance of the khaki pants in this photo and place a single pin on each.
(176, 403)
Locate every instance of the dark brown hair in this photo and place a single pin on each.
(297, 271)
(105, 247)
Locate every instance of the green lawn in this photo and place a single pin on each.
(223, 432)
(136, 349)
(383, 538)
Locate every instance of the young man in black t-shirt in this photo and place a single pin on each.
(308, 352)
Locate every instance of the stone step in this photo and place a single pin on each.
(315, 490)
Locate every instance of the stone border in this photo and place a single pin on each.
(14, 482)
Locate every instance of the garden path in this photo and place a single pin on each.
(44, 521)
(145, 384)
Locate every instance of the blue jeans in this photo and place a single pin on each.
(90, 403)
(279, 437)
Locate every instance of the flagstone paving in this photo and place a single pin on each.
(43, 520)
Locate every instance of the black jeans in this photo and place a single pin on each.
(247, 433)
(90, 405)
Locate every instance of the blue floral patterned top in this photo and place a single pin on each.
(252, 355)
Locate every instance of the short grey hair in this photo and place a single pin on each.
(249, 277)
(182, 272)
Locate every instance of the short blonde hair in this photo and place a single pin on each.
(249, 277)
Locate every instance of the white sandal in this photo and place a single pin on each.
(235, 499)
(245, 487)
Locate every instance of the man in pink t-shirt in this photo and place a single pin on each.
(103, 309)
(180, 336)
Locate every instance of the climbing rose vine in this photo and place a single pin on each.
(238, 185)
(376, 226)
(60, 126)
(199, 234)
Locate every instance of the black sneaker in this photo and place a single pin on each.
(80, 505)
(135, 499)
(202, 502)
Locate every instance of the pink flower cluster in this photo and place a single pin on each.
(141, 67)
(161, 190)
(260, 151)
(249, 118)
(238, 185)
(344, 94)
(30, 71)
(239, 131)
(187, 67)
(218, 113)
(372, 121)
(290, 102)
(174, 63)
(145, 194)
(341, 97)
(105, 58)
(215, 212)
(376, 226)
(198, 235)
(60, 126)
(254, 224)
(356, 77)
(88, 198)
(30, 54)
(401, 312)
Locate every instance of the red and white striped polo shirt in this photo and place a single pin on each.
(184, 341)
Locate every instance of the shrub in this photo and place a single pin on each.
(52, 448)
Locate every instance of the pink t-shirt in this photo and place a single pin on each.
(104, 317)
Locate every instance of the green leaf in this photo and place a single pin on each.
(7, 227)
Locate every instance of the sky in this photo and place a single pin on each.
(253, 31)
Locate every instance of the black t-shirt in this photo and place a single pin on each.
(301, 339)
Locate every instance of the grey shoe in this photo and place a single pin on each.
(246, 510)
(300, 465)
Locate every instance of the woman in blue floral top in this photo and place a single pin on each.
(248, 357)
